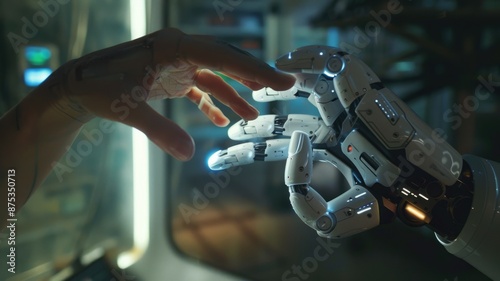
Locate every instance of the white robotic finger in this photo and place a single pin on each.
(354, 211)
(272, 150)
(237, 155)
(247, 153)
(299, 164)
(315, 67)
(266, 126)
(310, 59)
(267, 94)
(262, 127)
(309, 205)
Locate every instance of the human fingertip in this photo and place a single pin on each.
(220, 121)
(217, 116)
(257, 112)
(252, 114)
(244, 109)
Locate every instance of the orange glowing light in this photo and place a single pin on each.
(416, 213)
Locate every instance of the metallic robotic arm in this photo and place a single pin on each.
(395, 164)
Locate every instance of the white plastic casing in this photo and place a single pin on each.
(264, 126)
(298, 169)
(261, 127)
(267, 94)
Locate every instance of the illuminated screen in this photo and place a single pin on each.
(35, 76)
(38, 55)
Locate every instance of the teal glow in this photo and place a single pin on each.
(38, 55)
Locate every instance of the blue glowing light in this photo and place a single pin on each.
(35, 76)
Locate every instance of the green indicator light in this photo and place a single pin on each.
(38, 55)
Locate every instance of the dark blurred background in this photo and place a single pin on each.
(434, 55)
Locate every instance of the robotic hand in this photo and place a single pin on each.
(395, 164)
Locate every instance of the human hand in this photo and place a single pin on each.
(116, 83)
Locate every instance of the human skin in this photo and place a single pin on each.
(38, 130)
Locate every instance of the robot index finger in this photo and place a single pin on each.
(248, 153)
(268, 126)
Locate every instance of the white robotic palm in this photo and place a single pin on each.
(394, 163)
